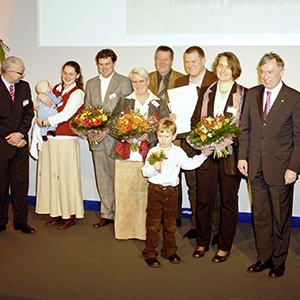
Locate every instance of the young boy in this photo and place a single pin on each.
(163, 192)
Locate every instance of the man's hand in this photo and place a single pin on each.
(290, 176)
(243, 167)
(21, 144)
(99, 137)
(14, 138)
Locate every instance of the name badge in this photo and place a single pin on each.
(25, 102)
(59, 104)
(155, 103)
(232, 110)
(112, 96)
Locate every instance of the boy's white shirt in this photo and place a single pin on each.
(170, 167)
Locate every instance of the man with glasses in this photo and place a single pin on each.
(16, 113)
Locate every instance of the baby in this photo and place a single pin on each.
(43, 111)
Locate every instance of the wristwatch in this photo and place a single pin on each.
(43, 124)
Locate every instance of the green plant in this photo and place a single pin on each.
(3, 49)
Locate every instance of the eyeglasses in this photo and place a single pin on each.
(20, 73)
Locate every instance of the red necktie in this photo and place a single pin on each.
(268, 105)
(12, 93)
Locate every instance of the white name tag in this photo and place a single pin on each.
(232, 110)
(59, 104)
(25, 102)
(112, 96)
(155, 103)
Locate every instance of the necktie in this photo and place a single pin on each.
(162, 87)
(267, 105)
(12, 93)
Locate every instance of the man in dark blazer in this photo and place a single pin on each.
(194, 62)
(105, 91)
(164, 58)
(269, 155)
(16, 113)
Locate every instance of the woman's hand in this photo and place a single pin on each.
(45, 99)
(206, 151)
(144, 137)
(39, 122)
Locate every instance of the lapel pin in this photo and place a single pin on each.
(282, 101)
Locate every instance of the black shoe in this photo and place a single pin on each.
(52, 132)
(218, 258)
(174, 259)
(276, 271)
(25, 228)
(259, 266)
(152, 262)
(45, 138)
(200, 253)
(103, 222)
(215, 240)
(191, 234)
(178, 223)
(2, 228)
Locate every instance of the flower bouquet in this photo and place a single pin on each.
(211, 131)
(89, 121)
(131, 125)
(156, 156)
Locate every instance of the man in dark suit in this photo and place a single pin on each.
(105, 91)
(164, 77)
(194, 62)
(269, 155)
(16, 113)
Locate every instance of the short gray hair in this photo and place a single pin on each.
(269, 56)
(9, 62)
(140, 71)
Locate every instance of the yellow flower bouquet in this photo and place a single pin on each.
(89, 121)
(210, 131)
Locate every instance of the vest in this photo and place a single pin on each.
(64, 127)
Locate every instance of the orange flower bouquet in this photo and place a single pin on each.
(131, 125)
(210, 131)
(89, 121)
(156, 156)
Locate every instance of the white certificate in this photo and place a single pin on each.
(182, 103)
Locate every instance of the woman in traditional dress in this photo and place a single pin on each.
(130, 186)
(223, 97)
(59, 190)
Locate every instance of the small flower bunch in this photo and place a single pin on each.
(89, 121)
(131, 125)
(156, 156)
(210, 131)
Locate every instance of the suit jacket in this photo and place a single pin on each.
(153, 87)
(118, 87)
(276, 140)
(230, 162)
(15, 117)
(129, 104)
(208, 79)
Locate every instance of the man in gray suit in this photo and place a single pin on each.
(105, 91)
(269, 148)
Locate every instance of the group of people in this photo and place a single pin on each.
(266, 152)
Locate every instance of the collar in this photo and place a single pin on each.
(167, 77)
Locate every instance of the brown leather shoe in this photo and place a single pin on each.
(54, 221)
(66, 224)
(102, 222)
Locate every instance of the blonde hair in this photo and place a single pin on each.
(166, 124)
(42, 86)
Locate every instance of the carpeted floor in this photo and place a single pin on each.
(87, 263)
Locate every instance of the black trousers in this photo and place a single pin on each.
(207, 183)
(14, 172)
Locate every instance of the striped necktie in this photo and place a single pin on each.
(12, 93)
(162, 87)
(267, 105)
